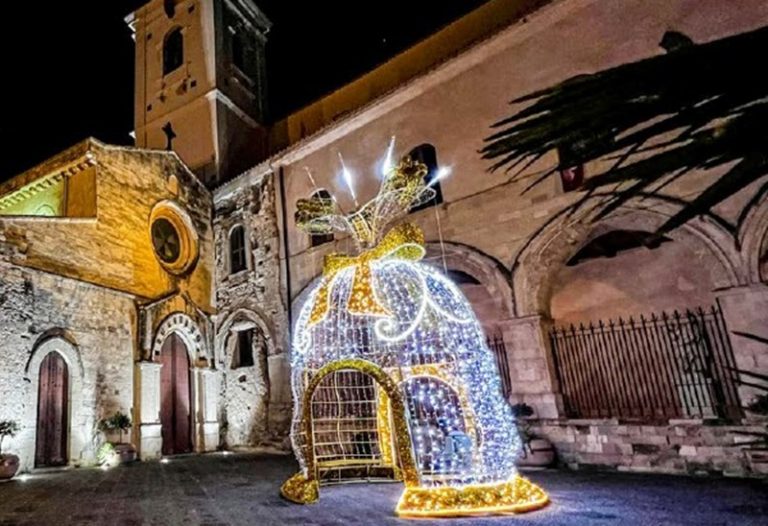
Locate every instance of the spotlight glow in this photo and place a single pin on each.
(442, 173)
(347, 175)
(389, 161)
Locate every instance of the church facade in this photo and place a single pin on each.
(163, 280)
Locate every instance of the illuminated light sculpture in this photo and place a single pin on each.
(391, 374)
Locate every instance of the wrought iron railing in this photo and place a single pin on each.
(652, 368)
(496, 344)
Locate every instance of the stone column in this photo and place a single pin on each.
(280, 397)
(150, 439)
(531, 366)
(745, 310)
(207, 386)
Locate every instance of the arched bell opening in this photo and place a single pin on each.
(392, 433)
(351, 427)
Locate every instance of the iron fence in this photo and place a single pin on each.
(652, 368)
(499, 349)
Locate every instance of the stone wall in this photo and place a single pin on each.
(93, 328)
(114, 249)
(692, 447)
(517, 241)
(256, 400)
(97, 283)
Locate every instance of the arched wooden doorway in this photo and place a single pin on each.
(176, 396)
(52, 412)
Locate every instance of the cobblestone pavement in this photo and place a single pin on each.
(243, 489)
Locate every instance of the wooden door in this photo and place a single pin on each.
(52, 412)
(175, 407)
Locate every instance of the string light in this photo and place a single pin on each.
(347, 175)
(389, 315)
(389, 163)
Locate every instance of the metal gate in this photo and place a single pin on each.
(653, 368)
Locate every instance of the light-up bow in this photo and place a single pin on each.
(404, 242)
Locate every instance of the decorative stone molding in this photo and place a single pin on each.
(188, 238)
(187, 330)
(243, 319)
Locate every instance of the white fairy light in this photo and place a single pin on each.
(389, 161)
(386, 310)
(431, 323)
(347, 175)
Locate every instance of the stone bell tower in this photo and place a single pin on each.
(201, 83)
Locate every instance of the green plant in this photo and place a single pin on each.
(106, 454)
(119, 422)
(8, 428)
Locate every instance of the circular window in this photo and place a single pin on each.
(173, 237)
(166, 240)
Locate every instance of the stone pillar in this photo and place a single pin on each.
(150, 439)
(531, 366)
(280, 397)
(207, 386)
(745, 310)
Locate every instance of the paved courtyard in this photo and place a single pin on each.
(217, 490)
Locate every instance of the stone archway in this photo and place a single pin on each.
(188, 330)
(535, 271)
(81, 419)
(204, 388)
(753, 240)
(536, 265)
(484, 280)
(245, 344)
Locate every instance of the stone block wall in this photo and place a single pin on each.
(94, 330)
(692, 447)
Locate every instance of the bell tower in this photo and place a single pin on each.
(201, 83)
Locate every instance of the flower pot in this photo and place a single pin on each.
(537, 452)
(126, 453)
(9, 465)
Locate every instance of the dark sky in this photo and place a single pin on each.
(69, 74)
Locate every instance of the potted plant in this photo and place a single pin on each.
(9, 464)
(537, 451)
(120, 452)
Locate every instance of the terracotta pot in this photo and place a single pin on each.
(538, 452)
(9, 465)
(125, 452)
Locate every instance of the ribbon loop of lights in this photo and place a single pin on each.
(391, 374)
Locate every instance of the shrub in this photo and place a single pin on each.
(119, 422)
(8, 428)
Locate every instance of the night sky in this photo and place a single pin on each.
(71, 74)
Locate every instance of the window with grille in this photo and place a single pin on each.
(237, 252)
(243, 355)
(427, 154)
